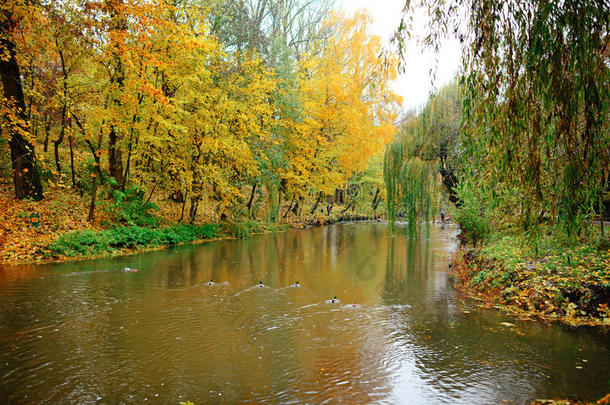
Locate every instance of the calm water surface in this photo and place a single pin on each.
(87, 332)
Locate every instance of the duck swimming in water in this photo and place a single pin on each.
(297, 284)
(334, 300)
(260, 284)
(211, 282)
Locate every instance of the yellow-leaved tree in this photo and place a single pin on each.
(349, 110)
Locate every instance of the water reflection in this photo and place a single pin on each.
(89, 332)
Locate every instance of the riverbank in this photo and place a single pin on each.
(64, 234)
(569, 284)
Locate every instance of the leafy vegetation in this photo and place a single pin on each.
(560, 282)
(198, 102)
(422, 157)
(92, 242)
(535, 108)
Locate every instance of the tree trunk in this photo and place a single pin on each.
(58, 142)
(193, 209)
(64, 108)
(47, 131)
(375, 203)
(289, 207)
(26, 177)
(249, 206)
(183, 205)
(97, 172)
(350, 205)
(315, 206)
(71, 156)
(115, 155)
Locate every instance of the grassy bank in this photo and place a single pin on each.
(64, 233)
(559, 282)
(97, 242)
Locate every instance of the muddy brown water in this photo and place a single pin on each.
(89, 332)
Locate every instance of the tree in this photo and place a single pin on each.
(536, 76)
(26, 177)
(348, 109)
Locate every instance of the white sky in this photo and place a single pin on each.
(416, 83)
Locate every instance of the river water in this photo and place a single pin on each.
(89, 332)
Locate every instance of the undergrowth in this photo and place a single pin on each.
(553, 280)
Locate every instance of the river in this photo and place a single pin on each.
(89, 332)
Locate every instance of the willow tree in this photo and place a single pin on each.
(411, 174)
(424, 153)
(536, 108)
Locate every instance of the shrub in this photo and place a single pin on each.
(129, 208)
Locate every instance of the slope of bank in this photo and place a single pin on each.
(570, 284)
(63, 232)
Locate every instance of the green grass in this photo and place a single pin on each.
(97, 242)
(94, 242)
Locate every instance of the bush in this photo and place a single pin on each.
(129, 208)
(473, 214)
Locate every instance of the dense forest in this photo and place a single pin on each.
(182, 98)
(213, 111)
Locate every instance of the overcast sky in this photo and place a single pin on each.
(416, 83)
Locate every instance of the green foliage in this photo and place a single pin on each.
(536, 105)
(392, 162)
(473, 213)
(129, 208)
(424, 146)
(90, 242)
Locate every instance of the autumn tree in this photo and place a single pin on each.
(348, 109)
(15, 123)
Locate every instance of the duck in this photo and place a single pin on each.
(127, 269)
(334, 300)
(134, 270)
(297, 284)
(211, 282)
(260, 284)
